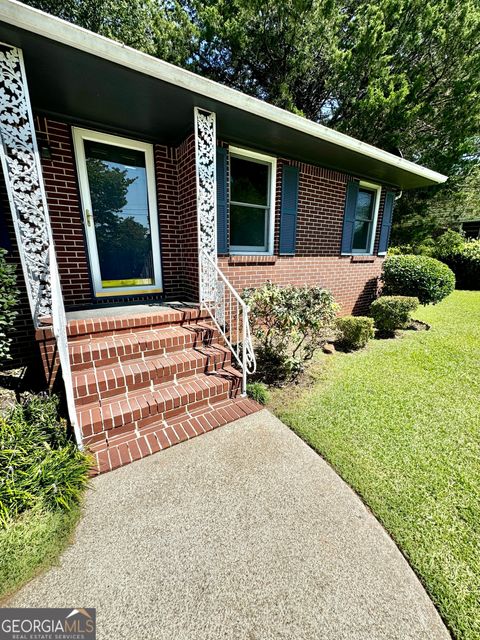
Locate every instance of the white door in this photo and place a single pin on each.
(117, 188)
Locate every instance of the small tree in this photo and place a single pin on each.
(8, 302)
(289, 324)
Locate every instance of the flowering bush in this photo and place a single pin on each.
(289, 324)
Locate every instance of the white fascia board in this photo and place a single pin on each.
(43, 24)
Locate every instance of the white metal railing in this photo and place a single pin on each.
(59, 325)
(229, 313)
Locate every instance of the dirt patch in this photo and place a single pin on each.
(417, 325)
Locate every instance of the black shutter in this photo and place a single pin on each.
(349, 216)
(288, 212)
(386, 222)
(222, 204)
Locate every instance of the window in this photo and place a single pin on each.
(363, 220)
(360, 217)
(252, 183)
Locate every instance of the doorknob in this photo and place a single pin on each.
(89, 217)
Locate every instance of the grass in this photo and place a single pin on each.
(400, 422)
(33, 543)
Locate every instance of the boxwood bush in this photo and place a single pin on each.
(422, 277)
(354, 332)
(392, 312)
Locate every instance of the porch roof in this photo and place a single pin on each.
(91, 80)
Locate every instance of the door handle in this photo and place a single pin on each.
(88, 217)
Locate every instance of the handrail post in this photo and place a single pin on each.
(244, 352)
(60, 332)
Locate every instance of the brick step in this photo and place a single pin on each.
(120, 450)
(136, 410)
(108, 350)
(128, 323)
(95, 383)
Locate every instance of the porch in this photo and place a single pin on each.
(101, 258)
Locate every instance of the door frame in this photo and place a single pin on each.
(79, 135)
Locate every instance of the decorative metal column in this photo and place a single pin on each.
(205, 167)
(28, 204)
(24, 182)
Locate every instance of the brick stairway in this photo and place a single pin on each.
(143, 383)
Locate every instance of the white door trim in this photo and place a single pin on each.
(79, 135)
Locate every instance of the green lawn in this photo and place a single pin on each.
(32, 544)
(400, 422)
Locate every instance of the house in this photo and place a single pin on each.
(129, 183)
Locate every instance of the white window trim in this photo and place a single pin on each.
(79, 135)
(376, 208)
(272, 161)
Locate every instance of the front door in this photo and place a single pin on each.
(117, 185)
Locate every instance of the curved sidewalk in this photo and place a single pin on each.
(243, 533)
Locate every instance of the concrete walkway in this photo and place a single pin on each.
(240, 534)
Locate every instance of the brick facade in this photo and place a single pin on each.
(317, 261)
(352, 279)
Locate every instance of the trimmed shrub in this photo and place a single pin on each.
(289, 324)
(8, 303)
(355, 332)
(258, 392)
(422, 277)
(392, 312)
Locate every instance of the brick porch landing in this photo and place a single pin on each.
(146, 378)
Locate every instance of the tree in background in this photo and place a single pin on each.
(400, 74)
(160, 28)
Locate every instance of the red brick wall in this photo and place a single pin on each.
(317, 260)
(61, 187)
(167, 205)
(187, 208)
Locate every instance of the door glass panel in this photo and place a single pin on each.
(118, 188)
(248, 181)
(247, 226)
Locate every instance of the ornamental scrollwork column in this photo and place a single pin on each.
(24, 181)
(205, 153)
